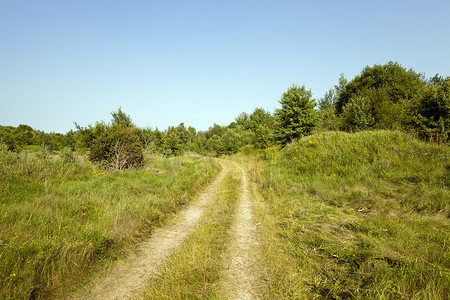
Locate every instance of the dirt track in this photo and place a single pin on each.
(135, 272)
(239, 278)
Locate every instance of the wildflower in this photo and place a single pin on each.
(313, 142)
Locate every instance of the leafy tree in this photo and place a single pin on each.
(357, 115)
(120, 119)
(243, 120)
(430, 114)
(215, 130)
(229, 142)
(214, 144)
(171, 143)
(264, 137)
(400, 84)
(118, 149)
(84, 136)
(297, 116)
(388, 90)
(327, 118)
(69, 140)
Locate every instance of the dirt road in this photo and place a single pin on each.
(136, 271)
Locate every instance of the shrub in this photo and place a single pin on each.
(118, 149)
(67, 155)
(430, 114)
(356, 115)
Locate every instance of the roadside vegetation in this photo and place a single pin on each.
(353, 193)
(361, 215)
(60, 220)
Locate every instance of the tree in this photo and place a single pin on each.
(430, 114)
(327, 118)
(172, 143)
(84, 136)
(356, 115)
(229, 143)
(118, 149)
(297, 116)
(121, 119)
(400, 84)
(243, 120)
(388, 90)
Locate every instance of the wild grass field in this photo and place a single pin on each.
(335, 216)
(355, 215)
(61, 220)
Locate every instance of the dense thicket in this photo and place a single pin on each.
(381, 97)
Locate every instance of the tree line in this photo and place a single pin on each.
(385, 96)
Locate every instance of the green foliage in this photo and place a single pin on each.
(400, 84)
(430, 114)
(326, 116)
(120, 119)
(44, 151)
(256, 129)
(357, 115)
(67, 155)
(118, 149)
(381, 97)
(172, 143)
(85, 136)
(264, 137)
(297, 116)
(229, 142)
(387, 90)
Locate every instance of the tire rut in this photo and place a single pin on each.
(132, 273)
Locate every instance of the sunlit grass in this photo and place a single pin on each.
(59, 221)
(362, 215)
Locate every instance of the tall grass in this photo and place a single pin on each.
(363, 215)
(60, 220)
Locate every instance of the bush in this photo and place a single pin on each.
(67, 155)
(430, 114)
(356, 115)
(118, 149)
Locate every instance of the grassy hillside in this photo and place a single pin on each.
(60, 220)
(363, 215)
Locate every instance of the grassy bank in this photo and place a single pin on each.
(362, 215)
(61, 220)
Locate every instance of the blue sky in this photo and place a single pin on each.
(198, 62)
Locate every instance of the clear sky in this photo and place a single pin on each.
(198, 62)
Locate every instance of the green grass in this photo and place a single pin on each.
(363, 215)
(61, 221)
